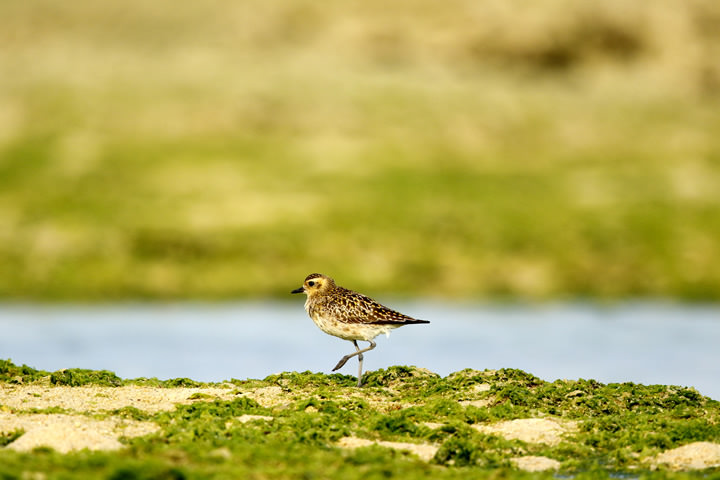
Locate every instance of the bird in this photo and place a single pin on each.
(349, 315)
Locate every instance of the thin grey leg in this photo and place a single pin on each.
(360, 362)
(358, 353)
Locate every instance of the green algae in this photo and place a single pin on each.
(76, 377)
(619, 428)
(11, 373)
(9, 437)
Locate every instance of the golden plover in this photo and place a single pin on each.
(349, 315)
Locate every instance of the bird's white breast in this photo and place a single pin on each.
(349, 331)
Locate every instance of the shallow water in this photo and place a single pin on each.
(642, 343)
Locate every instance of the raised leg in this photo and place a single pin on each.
(358, 353)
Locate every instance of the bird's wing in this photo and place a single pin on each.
(387, 316)
(350, 307)
(358, 308)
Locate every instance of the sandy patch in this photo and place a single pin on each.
(532, 463)
(481, 387)
(381, 401)
(268, 397)
(65, 433)
(530, 430)
(249, 418)
(94, 398)
(423, 450)
(470, 373)
(482, 403)
(694, 456)
(433, 425)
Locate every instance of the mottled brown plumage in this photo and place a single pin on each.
(349, 315)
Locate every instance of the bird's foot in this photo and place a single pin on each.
(342, 362)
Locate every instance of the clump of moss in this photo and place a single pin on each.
(11, 373)
(466, 448)
(182, 382)
(7, 438)
(75, 377)
(398, 375)
(131, 413)
(169, 383)
(309, 379)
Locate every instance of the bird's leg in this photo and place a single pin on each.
(360, 361)
(359, 352)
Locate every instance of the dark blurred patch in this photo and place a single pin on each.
(565, 45)
(175, 244)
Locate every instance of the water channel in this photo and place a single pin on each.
(649, 343)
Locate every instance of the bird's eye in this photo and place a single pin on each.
(311, 283)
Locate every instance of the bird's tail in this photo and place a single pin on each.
(404, 321)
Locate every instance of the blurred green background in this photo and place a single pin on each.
(458, 149)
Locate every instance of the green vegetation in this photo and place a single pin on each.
(9, 372)
(6, 438)
(75, 377)
(452, 149)
(619, 428)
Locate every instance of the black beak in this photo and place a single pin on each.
(298, 290)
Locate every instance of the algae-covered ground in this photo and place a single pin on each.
(405, 422)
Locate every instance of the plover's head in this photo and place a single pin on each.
(315, 283)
